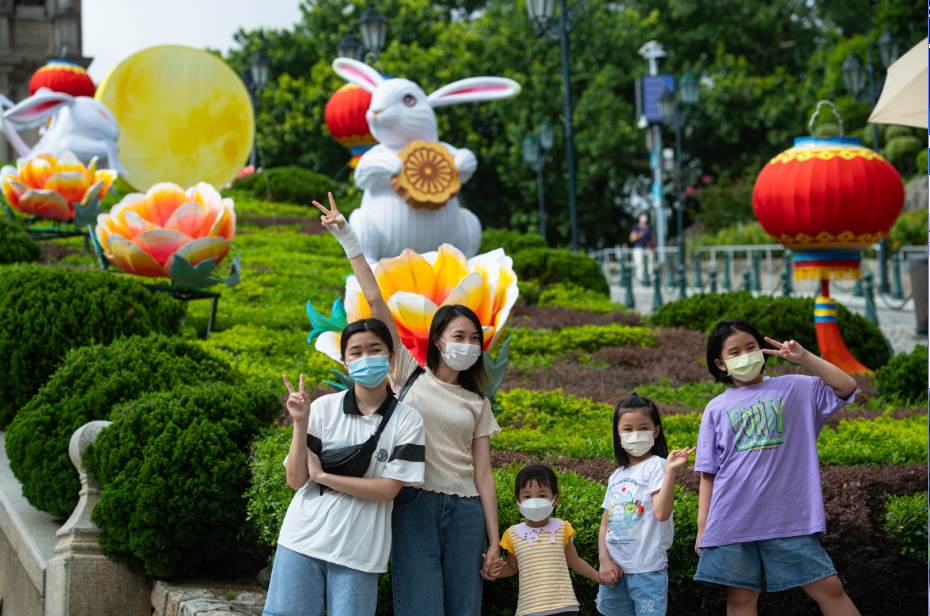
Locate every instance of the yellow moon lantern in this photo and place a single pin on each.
(184, 115)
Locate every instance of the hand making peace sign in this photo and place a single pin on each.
(298, 403)
(331, 217)
(790, 350)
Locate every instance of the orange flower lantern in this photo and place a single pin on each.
(828, 199)
(345, 119)
(63, 76)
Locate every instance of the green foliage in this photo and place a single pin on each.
(735, 235)
(173, 467)
(268, 495)
(901, 150)
(883, 440)
(15, 244)
(551, 266)
(921, 161)
(89, 383)
(910, 229)
(46, 311)
(906, 521)
(781, 318)
(567, 295)
(690, 395)
(728, 201)
(529, 290)
(588, 338)
(289, 184)
(511, 241)
(905, 376)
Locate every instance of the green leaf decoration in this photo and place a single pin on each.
(85, 215)
(496, 369)
(183, 274)
(335, 323)
(98, 249)
(345, 381)
(235, 274)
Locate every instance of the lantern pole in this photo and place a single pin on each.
(883, 286)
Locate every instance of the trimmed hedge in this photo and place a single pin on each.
(551, 266)
(45, 311)
(781, 318)
(567, 295)
(511, 241)
(173, 467)
(905, 376)
(589, 338)
(15, 244)
(85, 388)
(290, 184)
(906, 522)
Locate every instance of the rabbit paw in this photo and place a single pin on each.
(465, 163)
(378, 161)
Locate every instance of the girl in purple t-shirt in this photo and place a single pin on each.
(761, 506)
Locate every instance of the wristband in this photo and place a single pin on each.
(347, 238)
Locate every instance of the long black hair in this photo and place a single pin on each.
(718, 337)
(375, 326)
(648, 408)
(473, 378)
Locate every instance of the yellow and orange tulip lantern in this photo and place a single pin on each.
(415, 286)
(60, 189)
(170, 233)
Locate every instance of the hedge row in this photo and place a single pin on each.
(781, 318)
(586, 338)
(15, 244)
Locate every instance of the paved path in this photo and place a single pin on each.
(898, 325)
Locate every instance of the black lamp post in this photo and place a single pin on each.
(349, 47)
(674, 116)
(372, 26)
(540, 14)
(535, 154)
(854, 76)
(261, 66)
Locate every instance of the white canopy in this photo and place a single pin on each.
(904, 97)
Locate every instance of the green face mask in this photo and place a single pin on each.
(745, 367)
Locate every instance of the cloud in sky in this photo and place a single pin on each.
(116, 29)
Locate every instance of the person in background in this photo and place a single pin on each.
(641, 238)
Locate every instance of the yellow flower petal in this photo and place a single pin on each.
(45, 204)
(161, 201)
(69, 184)
(450, 268)
(34, 173)
(70, 163)
(188, 219)
(133, 202)
(13, 190)
(328, 344)
(355, 304)
(131, 258)
(160, 243)
(409, 272)
(136, 224)
(469, 292)
(200, 250)
(413, 311)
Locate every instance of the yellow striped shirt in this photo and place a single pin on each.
(544, 580)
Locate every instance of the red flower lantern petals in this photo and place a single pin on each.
(345, 119)
(828, 194)
(63, 76)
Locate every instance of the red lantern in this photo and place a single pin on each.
(345, 119)
(63, 76)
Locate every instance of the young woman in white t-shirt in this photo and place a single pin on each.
(636, 529)
(441, 531)
(336, 535)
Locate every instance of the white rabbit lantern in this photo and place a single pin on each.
(401, 113)
(80, 125)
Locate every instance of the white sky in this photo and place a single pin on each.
(115, 29)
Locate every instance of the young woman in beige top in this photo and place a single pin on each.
(440, 531)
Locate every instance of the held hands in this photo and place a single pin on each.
(790, 350)
(678, 458)
(331, 217)
(298, 402)
(493, 563)
(609, 572)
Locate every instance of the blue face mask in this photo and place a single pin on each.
(370, 371)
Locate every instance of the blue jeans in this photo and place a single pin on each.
(635, 593)
(436, 555)
(305, 586)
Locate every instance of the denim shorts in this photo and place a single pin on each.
(788, 562)
(635, 593)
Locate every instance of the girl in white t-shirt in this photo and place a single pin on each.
(636, 530)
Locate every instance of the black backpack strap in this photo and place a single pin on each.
(385, 419)
(410, 381)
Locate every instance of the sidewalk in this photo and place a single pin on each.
(897, 325)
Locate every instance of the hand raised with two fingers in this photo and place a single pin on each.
(332, 216)
(678, 458)
(790, 350)
(298, 402)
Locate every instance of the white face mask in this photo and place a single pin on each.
(745, 367)
(643, 220)
(536, 509)
(460, 355)
(637, 443)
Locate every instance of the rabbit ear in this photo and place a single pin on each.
(38, 108)
(474, 89)
(358, 73)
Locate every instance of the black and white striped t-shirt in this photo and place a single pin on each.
(343, 529)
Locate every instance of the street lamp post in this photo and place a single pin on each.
(673, 115)
(372, 26)
(540, 13)
(854, 75)
(535, 155)
(255, 80)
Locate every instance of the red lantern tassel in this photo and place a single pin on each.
(832, 347)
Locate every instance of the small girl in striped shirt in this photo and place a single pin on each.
(541, 549)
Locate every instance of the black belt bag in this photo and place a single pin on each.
(353, 461)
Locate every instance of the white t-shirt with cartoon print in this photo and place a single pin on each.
(636, 540)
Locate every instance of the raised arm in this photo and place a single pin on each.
(843, 385)
(663, 499)
(336, 223)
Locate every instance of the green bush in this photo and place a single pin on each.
(883, 440)
(921, 161)
(511, 241)
(910, 229)
(15, 244)
(551, 266)
(90, 381)
(268, 495)
(902, 149)
(567, 295)
(906, 521)
(529, 291)
(781, 318)
(589, 338)
(289, 184)
(46, 311)
(735, 235)
(690, 395)
(905, 376)
(172, 468)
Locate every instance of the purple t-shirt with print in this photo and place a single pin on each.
(761, 442)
